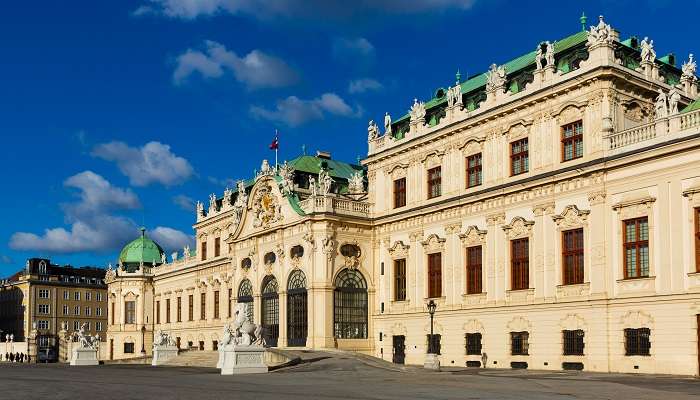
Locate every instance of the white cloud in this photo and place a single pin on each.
(97, 196)
(352, 47)
(256, 70)
(171, 239)
(294, 111)
(364, 85)
(184, 202)
(152, 163)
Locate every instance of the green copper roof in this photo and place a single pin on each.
(312, 165)
(692, 106)
(143, 249)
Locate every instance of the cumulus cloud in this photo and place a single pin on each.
(184, 202)
(171, 239)
(97, 196)
(256, 70)
(364, 85)
(352, 47)
(294, 111)
(311, 9)
(152, 163)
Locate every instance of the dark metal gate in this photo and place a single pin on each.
(297, 316)
(270, 311)
(399, 352)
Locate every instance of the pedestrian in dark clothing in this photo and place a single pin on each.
(12, 357)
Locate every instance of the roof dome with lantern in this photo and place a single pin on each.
(142, 250)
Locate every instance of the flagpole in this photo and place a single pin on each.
(276, 147)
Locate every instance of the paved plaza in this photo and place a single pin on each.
(337, 377)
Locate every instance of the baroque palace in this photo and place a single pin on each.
(550, 207)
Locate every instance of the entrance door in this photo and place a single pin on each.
(111, 349)
(270, 312)
(297, 317)
(399, 352)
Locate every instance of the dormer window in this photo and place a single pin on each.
(297, 251)
(270, 258)
(42, 267)
(246, 263)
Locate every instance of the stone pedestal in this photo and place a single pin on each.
(431, 362)
(84, 357)
(242, 360)
(161, 354)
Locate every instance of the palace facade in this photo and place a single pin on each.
(550, 207)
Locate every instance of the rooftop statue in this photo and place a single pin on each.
(600, 34)
(186, 251)
(549, 54)
(212, 202)
(228, 194)
(539, 56)
(647, 49)
(387, 124)
(417, 111)
(689, 68)
(661, 106)
(495, 77)
(313, 187)
(673, 98)
(287, 175)
(324, 182)
(356, 183)
(372, 130)
(200, 209)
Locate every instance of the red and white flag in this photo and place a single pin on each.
(275, 143)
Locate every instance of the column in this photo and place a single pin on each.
(494, 271)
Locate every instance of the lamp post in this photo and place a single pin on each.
(143, 340)
(431, 359)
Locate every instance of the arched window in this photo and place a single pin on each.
(246, 263)
(245, 296)
(297, 317)
(270, 258)
(297, 251)
(350, 305)
(297, 281)
(270, 311)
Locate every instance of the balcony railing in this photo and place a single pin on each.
(335, 205)
(660, 130)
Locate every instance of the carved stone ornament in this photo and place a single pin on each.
(399, 250)
(309, 238)
(279, 251)
(689, 69)
(495, 77)
(571, 217)
(637, 319)
(635, 207)
(595, 198)
(434, 243)
(518, 228)
(600, 34)
(266, 207)
(356, 183)
(110, 275)
(473, 326)
(417, 111)
(287, 175)
(329, 246)
(473, 236)
(572, 322)
(519, 324)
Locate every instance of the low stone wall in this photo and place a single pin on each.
(13, 347)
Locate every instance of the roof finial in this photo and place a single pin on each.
(143, 231)
(458, 76)
(303, 149)
(583, 20)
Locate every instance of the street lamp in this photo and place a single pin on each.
(143, 340)
(431, 359)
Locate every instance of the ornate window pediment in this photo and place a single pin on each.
(397, 171)
(637, 319)
(519, 324)
(518, 130)
(572, 322)
(434, 243)
(433, 159)
(399, 250)
(633, 208)
(518, 228)
(568, 113)
(473, 326)
(473, 236)
(473, 145)
(571, 217)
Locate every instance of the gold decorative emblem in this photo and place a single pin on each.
(266, 207)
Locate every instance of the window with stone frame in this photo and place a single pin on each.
(572, 256)
(128, 348)
(520, 264)
(519, 345)
(435, 275)
(519, 157)
(203, 306)
(400, 279)
(157, 312)
(167, 311)
(179, 309)
(636, 247)
(130, 314)
(473, 343)
(474, 175)
(204, 250)
(217, 246)
(697, 239)
(434, 343)
(190, 308)
(637, 342)
(230, 301)
(434, 182)
(573, 342)
(216, 304)
(474, 270)
(572, 141)
(399, 192)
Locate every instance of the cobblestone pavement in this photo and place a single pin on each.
(336, 377)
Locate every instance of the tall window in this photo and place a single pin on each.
(112, 314)
(130, 315)
(217, 247)
(167, 311)
(203, 306)
(216, 304)
(637, 342)
(66, 295)
(435, 275)
(400, 279)
(520, 264)
(519, 343)
(474, 170)
(230, 300)
(572, 141)
(400, 192)
(204, 250)
(573, 342)
(190, 308)
(697, 239)
(350, 305)
(636, 248)
(179, 309)
(572, 256)
(128, 348)
(473, 343)
(66, 310)
(519, 158)
(434, 182)
(473, 269)
(157, 312)
(43, 293)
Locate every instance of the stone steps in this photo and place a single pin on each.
(195, 358)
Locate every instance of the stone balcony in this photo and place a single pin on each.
(334, 205)
(649, 134)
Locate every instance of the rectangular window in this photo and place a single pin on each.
(98, 326)
(179, 309)
(572, 141)
(203, 306)
(474, 270)
(88, 311)
(637, 342)
(697, 239)
(87, 325)
(66, 295)
(98, 311)
(99, 296)
(520, 264)
(44, 308)
(41, 324)
(87, 296)
(217, 247)
(573, 342)
(636, 248)
(43, 293)
(434, 182)
(157, 312)
(519, 159)
(76, 296)
(112, 314)
(435, 275)
(76, 310)
(66, 310)
(204, 251)
(167, 311)
(76, 325)
(572, 256)
(128, 348)
(434, 344)
(230, 301)
(190, 308)
(518, 343)
(130, 315)
(473, 343)
(474, 176)
(399, 192)
(400, 279)
(216, 304)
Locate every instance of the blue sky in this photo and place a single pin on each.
(120, 114)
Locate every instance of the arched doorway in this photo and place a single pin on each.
(297, 320)
(245, 296)
(270, 311)
(350, 305)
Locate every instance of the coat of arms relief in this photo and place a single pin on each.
(266, 207)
